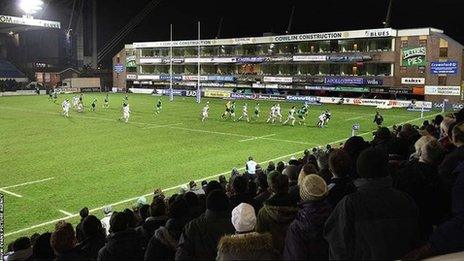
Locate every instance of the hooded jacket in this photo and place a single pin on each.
(249, 246)
(124, 245)
(163, 244)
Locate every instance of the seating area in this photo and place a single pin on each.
(397, 197)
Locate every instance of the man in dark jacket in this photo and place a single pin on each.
(63, 242)
(263, 192)
(123, 243)
(79, 234)
(292, 172)
(200, 237)
(240, 192)
(377, 221)
(94, 237)
(452, 160)
(340, 185)
(304, 240)
(156, 219)
(278, 211)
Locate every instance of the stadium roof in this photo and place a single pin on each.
(18, 24)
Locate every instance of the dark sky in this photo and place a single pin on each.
(252, 18)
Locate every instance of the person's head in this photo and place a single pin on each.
(432, 152)
(63, 238)
(118, 222)
(144, 211)
(178, 208)
(438, 119)
(271, 166)
(291, 172)
(313, 188)
(261, 181)
(354, 145)
(420, 144)
(157, 207)
(244, 218)
(279, 183)
(131, 218)
(107, 210)
(92, 226)
(213, 185)
(340, 164)
(280, 166)
(217, 201)
(322, 160)
(383, 133)
(372, 163)
(192, 184)
(21, 244)
(42, 249)
(34, 238)
(250, 158)
(307, 169)
(239, 185)
(222, 179)
(458, 134)
(235, 172)
(445, 126)
(84, 212)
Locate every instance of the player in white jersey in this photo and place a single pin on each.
(75, 102)
(322, 120)
(244, 113)
(125, 112)
(327, 117)
(204, 113)
(278, 113)
(291, 116)
(65, 106)
(272, 114)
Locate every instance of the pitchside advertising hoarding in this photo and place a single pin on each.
(352, 81)
(413, 56)
(449, 67)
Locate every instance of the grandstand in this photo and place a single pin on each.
(9, 72)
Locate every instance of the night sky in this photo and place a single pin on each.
(252, 18)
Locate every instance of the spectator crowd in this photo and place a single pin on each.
(397, 197)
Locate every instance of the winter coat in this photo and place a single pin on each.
(449, 163)
(376, 222)
(275, 217)
(147, 229)
(449, 236)
(91, 245)
(201, 235)
(261, 198)
(162, 246)
(124, 245)
(305, 240)
(338, 189)
(249, 246)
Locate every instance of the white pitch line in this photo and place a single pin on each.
(28, 183)
(255, 138)
(11, 193)
(213, 132)
(66, 213)
(178, 186)
(164, 126)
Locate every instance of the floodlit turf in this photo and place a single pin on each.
(92, 159)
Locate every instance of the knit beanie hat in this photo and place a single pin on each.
(313, 188)
(244, 218)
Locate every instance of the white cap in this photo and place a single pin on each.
(244, 218)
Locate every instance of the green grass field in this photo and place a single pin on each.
(52, 166)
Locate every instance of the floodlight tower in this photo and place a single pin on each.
(30, 7)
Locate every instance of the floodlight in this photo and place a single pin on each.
(30, 6)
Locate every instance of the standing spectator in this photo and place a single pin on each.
(375, 222)
(354, 146)
(292, 172)
(307, 169)
(340, 185)
(107, 211)
(200, 236)
(123, 243)
(240, 192)
(162, 245)
(270, 167)
(245, 244)
(156, 219)
(323, 166)
(263, 192)
(223, 182)
(195, 189)
(83, 213)
(42, 249)
(445, 133)
(22, 250)
(451, 161)
(304, 240)
(251, 166)
(278, 211)
(63, 242)
(94, 237)
(280, 167)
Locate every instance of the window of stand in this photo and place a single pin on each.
(443, 52)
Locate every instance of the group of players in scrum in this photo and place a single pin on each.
(274, 114)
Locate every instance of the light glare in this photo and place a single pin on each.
(31, 6)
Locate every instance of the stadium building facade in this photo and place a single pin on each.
(413, 64)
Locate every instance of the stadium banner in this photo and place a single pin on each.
(194, 77)
(281, 59)
(147, 77)
(310, 99)
(351, 89)
(19, 93)
(252, 59)
(167, 77)
(90, 89)
(269, 97)
(141, 90)
(221, 78)
(131, 62)
(452, 106)
(310, 58)
(240, 96)
(217, 93)
(450, 67)
(131, 77)
(349, 58)
(145, 60)
(14, 20)
(407, 80)
(119, 68)
(376, 102)
(175, 92)
(278, 79)
(319, 88)
(442, 90)
(413, 56)
(352, 81)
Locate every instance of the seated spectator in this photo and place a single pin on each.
(278, 211)
(304, 240)
(94, 237)
(445, 131)
(240, 192)
(376, 221)
(194, 207)
(452, 160)
(42, 249)
(156, 219)
(340, 185)
(108, 211)
(280, 167)
(449, 236)
(123, 243)
(83, 213)
(354, 146)
(307, 169)
(263, 192)
(223, 182)
(323, 166)
(162, 245)
(194, 188)
(292, 173)
(245, 244)
(63, 242)
(200, 237)
(22, 250)
(270, 167)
